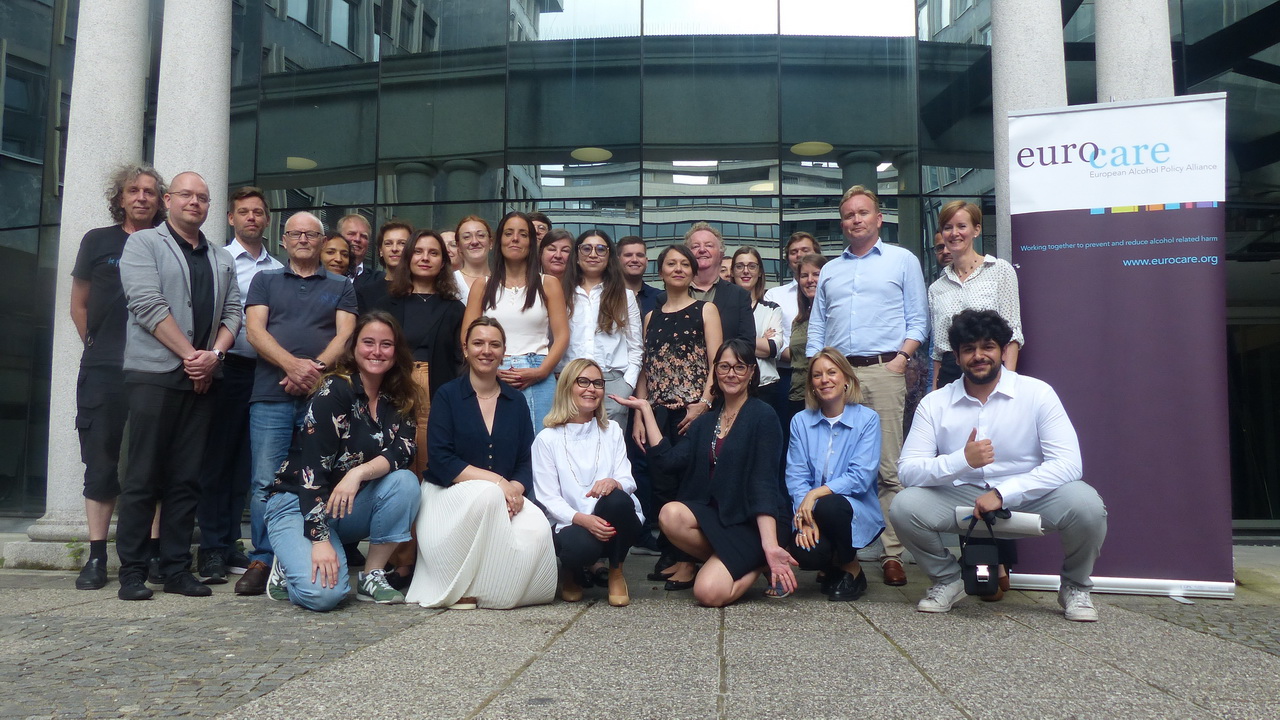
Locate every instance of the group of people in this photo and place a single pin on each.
(504, 415)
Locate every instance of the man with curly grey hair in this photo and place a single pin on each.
(99, 313)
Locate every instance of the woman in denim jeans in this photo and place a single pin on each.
(345, 478)
(530, 310)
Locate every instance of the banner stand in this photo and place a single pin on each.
(1131, 586)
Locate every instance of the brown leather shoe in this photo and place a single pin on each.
(619, 596)
(254, 580)
(998, 594)
(893, 572)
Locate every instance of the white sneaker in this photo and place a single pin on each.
(1076, 604)
(941, 597)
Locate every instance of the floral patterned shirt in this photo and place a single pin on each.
(675, 356)
(338, 433)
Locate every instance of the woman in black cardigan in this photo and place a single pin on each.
(728, 509)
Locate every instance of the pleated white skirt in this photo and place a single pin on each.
(468, 547)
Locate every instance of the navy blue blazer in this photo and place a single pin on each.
(457, 437)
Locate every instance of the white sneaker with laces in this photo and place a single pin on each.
(1076, 604)
(941, 597)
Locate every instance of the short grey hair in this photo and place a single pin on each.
(702, 225)
(121, 178)
(306, 214)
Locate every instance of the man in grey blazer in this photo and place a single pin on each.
(184, 311)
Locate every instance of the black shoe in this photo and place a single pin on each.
(677, 585)
(93, 576)
(848, 587)
(584, 578)
(355, 558)
(236, 561)
(154, 575)
(663, 563)
(132, 587)
(213, 568)
(185, 583)
(398, 581)
(828, 578)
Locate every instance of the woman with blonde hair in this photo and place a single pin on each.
(583, 480)
(474, 238)
(832, 465)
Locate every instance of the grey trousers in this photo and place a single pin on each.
(1073, 510)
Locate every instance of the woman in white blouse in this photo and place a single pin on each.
(604, 318)
(583, 479)
(971, 282)
(748, 274)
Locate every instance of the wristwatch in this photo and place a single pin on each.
(221, 355)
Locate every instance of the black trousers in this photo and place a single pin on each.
(665, 485)
(576, 547)
(224, 479)
(102, 409)
(834, 517)
(167, 435)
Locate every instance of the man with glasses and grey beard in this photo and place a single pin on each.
(298, 319)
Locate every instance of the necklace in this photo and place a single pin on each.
(721, 427)
(595, 464)
(969, 271)
(490, 397)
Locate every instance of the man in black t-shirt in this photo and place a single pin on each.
(99, 313)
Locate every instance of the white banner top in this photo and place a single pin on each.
(1118, 154)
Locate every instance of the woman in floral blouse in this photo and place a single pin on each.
(345, 478)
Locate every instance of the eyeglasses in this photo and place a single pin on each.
(593, 249)
(725, 368)
(939, 248)
(585, 382)
(185, 195)
(746, 266)
(308, 234)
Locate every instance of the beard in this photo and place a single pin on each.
(982, 377)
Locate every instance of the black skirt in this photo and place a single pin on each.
(737, 546)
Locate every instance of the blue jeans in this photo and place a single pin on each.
(539, 396)
(383, 512)
(271, 426)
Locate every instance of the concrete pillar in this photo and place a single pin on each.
(105, 130)
(910, 231)
(859, 168)
(193, 121)
(1028, 71)
(1133, 46)
(461, 183)
(415, 183)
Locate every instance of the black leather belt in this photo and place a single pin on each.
(868, 360)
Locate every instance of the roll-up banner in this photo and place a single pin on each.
(1117, 232)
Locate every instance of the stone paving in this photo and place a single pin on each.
(71, 654)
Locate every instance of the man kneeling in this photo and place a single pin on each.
(995, 439)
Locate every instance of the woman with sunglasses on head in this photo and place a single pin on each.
(604, 318)
(832, 465)
(748, 273)
(475, 239)
(531, 308)
(583, 479)
(730, 510)
(680, 337)
(480, 544)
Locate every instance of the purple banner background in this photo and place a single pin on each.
(1138, 356)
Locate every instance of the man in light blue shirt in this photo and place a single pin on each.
(872, 306)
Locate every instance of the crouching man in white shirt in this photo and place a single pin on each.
(995, 439)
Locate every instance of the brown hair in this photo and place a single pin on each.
(398, 382)
(949, 211)
(400, 280)
(803, 304)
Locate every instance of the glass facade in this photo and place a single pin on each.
(640, 117)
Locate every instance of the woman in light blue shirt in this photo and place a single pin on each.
(832, 462)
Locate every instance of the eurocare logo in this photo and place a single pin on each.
(1137, 159)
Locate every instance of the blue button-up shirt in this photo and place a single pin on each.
(871, 304)
(844, 456)
(246, 267)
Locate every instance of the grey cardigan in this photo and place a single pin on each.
(157, 284)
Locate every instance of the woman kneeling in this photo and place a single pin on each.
(583, 479)
(832, 466)
(729, 501)
(344, 479)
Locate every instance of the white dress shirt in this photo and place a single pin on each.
(246, 267)
(621, 350)
(1036, 448)
(569, 459)
(786, 298)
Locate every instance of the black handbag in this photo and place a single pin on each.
(980, 564)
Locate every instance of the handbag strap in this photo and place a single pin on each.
(973, 523)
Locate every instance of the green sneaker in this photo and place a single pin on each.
(277, 582)
(374, 587)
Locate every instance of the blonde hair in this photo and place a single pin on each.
(563, 408)
(852, 390)
(860, 190)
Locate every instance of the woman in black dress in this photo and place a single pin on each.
(730, 505)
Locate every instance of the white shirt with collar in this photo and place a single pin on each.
(1036, 448)
(621, 350)
(787, 299)
(246, 267)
